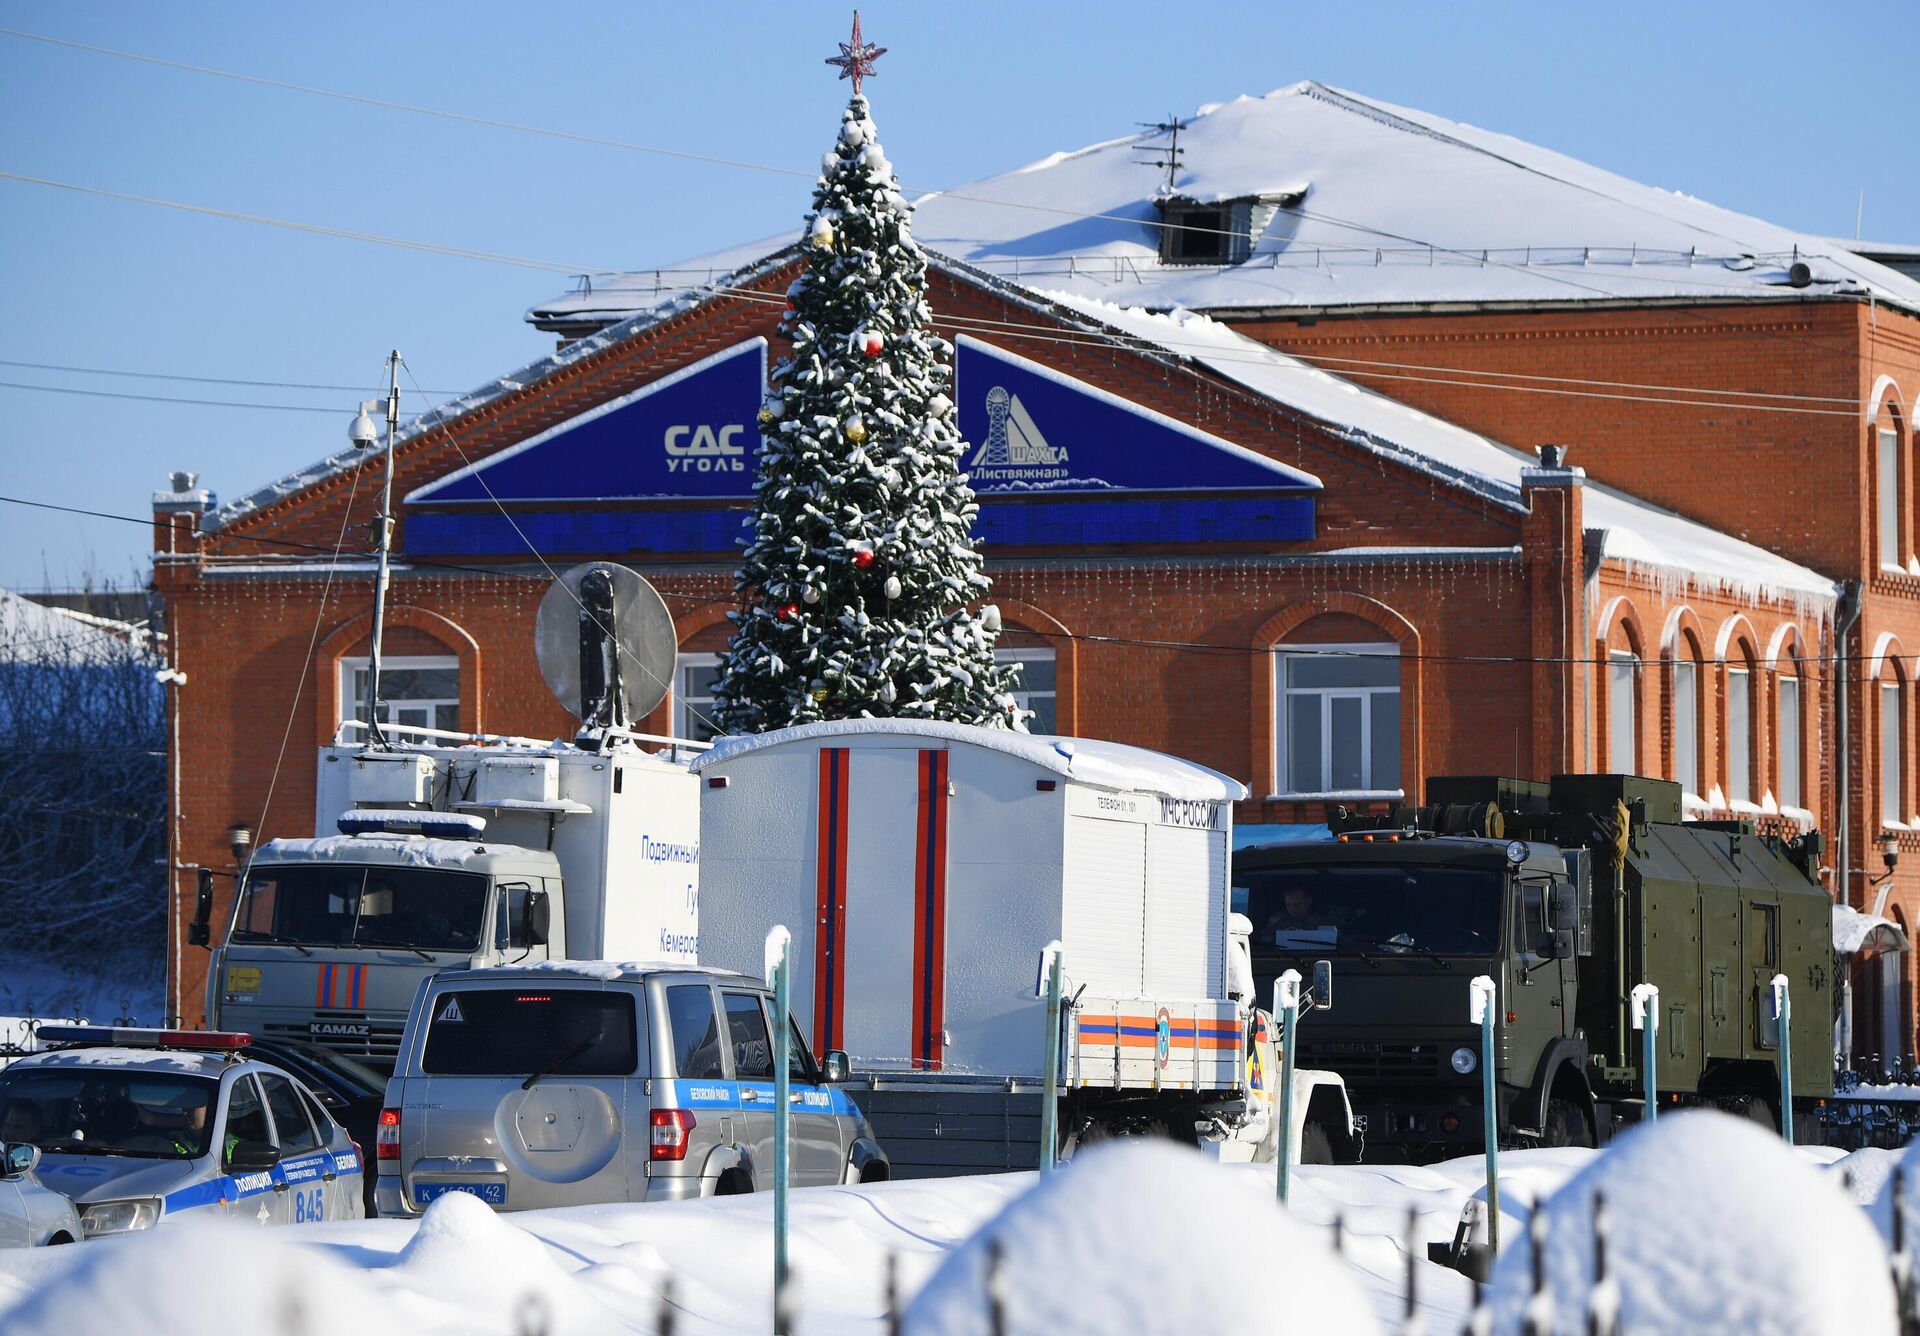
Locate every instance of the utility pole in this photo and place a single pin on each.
(362, 435)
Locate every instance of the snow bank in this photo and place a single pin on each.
(1144, 1237)
(192, 1278)
(1716, 1226)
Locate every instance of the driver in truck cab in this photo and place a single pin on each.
(1297, 914)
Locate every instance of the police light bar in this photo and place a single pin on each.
(129, 1037)
(406, 821)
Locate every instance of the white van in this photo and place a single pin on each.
(583, 1082)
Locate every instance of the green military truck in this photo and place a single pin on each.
(1566, 894)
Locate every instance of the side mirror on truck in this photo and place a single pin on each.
(1321, 994)
(200, 931)
(539, 918)
(1563, 916)
(835, 1066)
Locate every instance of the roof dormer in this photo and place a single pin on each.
(1218, 229)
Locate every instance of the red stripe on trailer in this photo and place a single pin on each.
(830, 920)
(930, 914)
(323, 989)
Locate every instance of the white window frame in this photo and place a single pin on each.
(684, 719)
(1739, 735)
(1288, 788)
(1623, 712)
(346, 707)
(1786, 733)
(1686, 725)
(1033, 654)
(1892, 700)
(1887, 501)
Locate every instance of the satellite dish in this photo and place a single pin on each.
(606, 644)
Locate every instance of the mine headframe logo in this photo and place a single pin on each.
(699, 449)
(1015, 445)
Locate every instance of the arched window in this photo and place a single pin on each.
(1893, 700)
(1337, 685)
(1684, 717)
(1623, 711)
(1787, 733)
(1888, 476)
(1740, 723)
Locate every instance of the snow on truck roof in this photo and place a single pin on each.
(1107, 765)
(403, 850)
(606, 971)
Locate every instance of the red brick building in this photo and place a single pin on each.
(1328, 590)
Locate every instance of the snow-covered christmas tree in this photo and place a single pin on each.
(858, 579)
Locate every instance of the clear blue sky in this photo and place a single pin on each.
(1770, 109)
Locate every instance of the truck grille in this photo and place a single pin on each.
(1361, 1061)
(381, 1041)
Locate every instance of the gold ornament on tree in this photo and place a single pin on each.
(856, 430)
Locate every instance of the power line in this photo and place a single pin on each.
(1482, 257)
(710, 159)
(486, 121)
(317, 229)
(162, 398)
(198, 380)
(1183, 646)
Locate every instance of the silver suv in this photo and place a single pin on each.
(571, 1083)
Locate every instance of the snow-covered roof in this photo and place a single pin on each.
(641, 312)
(1633, 532)
(1107, 765)
(36, 633)
(1400, 206)
(1853, 930)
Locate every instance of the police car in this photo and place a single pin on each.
(137, 1126)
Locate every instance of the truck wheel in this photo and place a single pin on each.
(1566, 1125)
(1316, 1147)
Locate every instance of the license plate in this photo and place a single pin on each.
(493, 1194)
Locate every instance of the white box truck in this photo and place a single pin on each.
(455, 856)
(922, 867)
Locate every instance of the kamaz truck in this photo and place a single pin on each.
(1567, 894)
(439, 851)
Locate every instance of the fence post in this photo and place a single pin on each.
(1783, 1013)
(1483, 998)
(1286, 1001)
(779, 973)
(1646, 1018)
(1051, 963)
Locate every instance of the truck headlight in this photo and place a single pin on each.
(119, 1217)
(1465, 1061)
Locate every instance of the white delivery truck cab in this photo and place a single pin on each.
(503, 852)
(922, 867)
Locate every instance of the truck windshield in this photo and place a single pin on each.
(339, 904)
(154, 1115)
(1358, 909)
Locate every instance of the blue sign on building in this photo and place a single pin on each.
(1031, 429)
(688, 435)
(669, 468)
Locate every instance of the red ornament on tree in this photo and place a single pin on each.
(863, 558)
(788, 611)
(872, 343)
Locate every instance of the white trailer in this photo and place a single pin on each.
(923, 866)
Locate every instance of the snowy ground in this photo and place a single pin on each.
(605, 1268)
(131, 984)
